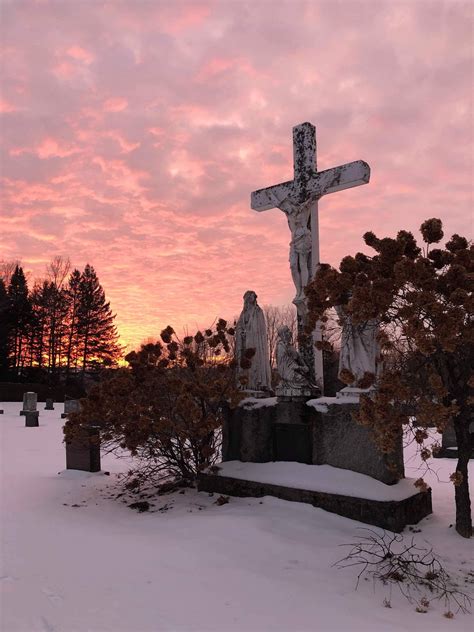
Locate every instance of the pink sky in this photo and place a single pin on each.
(135, 131)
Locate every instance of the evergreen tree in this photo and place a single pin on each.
(4, 330)
(72, 341)
(97, 334)
(19, 319)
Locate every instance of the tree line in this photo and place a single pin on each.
(60, 330)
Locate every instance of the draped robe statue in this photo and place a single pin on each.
(360, 350)
(251, 333)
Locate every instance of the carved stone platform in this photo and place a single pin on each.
(319, 431)
(390, 507)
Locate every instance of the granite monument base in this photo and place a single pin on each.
(394, 515)
(83, 452)
(31, 418)
(318, 431)
(340, 441)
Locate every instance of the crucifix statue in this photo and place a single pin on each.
(298, 199)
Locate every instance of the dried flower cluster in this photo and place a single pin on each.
(423, 300)
(167, 409)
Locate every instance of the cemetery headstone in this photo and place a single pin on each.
(30, 401)
(49, 404)
(70, 406)
(83, 451)
(449, 446)
(31, 418)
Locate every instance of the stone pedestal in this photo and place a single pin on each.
(70, 406)
(49, 404)
(316, 432)
(295, 430)
(341, 442)
(31, 418)
(248, 434)
(83, 452)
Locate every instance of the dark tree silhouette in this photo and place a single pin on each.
(97, 334)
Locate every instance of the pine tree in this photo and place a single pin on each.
(97, 334)
(4, 330)
(72, 342)
(19, 319)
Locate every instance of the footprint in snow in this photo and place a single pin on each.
(52, 596)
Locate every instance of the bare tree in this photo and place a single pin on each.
(7, 268)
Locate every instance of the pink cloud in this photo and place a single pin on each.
(79, 53)
(134, 133)
(115, 104)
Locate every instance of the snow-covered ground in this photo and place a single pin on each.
(74, 558)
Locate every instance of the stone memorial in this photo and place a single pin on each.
(298, 446)
(31, 418)
(49, 404)
(70, 406)
(295, 375)
(83, 451)
(360, 350)
(298, 199)
(30, 402)
(251, 334)
(449, 446)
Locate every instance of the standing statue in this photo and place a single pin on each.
(360, 350)
(295, 380)
(251, 333)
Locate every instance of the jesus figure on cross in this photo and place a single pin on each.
(298, 199)
(299, 222)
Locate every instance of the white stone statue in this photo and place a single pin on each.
(360, 350)
(299, 220)
(294, 373)
(251, 333)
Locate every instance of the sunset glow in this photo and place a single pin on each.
(134, 132)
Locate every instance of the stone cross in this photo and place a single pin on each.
(298, 199)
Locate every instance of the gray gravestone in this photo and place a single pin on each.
(83, 451)
(449, 446)
(49, 404)
(70, 406)
(30, 401)
(31, 418)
